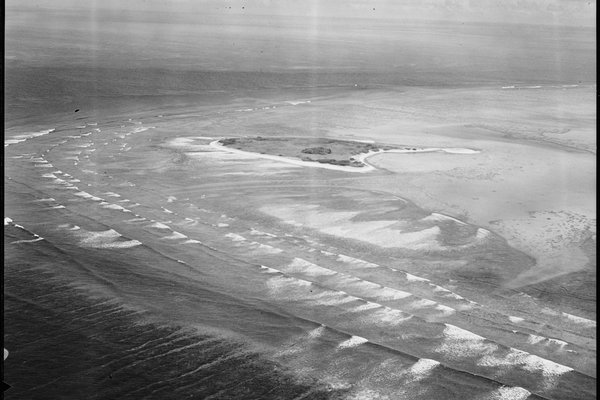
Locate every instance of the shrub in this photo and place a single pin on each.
(317, 150)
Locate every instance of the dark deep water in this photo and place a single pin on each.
(66, 345)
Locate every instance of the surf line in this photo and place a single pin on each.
(9, 221)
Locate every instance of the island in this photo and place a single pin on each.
(320, 150)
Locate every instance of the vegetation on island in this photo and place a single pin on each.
(321, 150)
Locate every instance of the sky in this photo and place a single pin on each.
(546, 12)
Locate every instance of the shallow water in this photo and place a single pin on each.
(168, 245)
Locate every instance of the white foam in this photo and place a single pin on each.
(192, 241)
(386, 293)
(283, 285)
(455, 332)
(167, 211)
(49, 175)
(515, 320)
(222, 225)
(452, 295)
(509, 393)
(482, 233)
(93, 235)
(422, 303)
(445, 309)
(122, 245)
(315, 333)
(137, 219)
(368, 306)
(414, 278)
(44, 200)
(171, 199)
(389, 316)
(352, 342)
(459, 343)
(112, 194)
(579, 320)
(159, 225)
(142, 129)
(26, 136)
(308, 268)
(297, 102)
(115, 207)
(355, 261)
(86, 195)
(235, 237)
(104, 239)
(268, 249)
(558, 342)
(7, 220)
(175, 235)
(27, 241)
(534, 339)
(269, 270)
(516, 358)
(423, 367)
(261, 233)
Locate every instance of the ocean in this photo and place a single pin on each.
(142, 266)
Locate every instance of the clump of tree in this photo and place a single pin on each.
(344, 163)
(317, 150)
(226, 142)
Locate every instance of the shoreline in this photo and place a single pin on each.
(362, 157)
